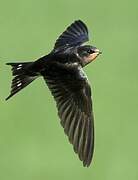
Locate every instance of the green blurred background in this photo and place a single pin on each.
(32, 143)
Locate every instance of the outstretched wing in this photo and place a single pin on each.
(75, 34)
(72, 94)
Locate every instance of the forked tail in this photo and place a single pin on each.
(21, 79)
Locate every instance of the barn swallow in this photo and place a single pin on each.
(62, 70)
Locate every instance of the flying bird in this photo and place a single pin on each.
(62, 70)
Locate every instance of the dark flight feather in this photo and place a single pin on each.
(76, 34)
(20, 80)
(73, 99)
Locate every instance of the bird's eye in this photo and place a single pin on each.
(90, 51)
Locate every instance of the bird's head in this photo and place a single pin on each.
(87, 54)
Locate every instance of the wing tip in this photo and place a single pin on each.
(75, 34)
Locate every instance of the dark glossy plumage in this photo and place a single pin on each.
(76, 34)
(72, 94)
(63, 73)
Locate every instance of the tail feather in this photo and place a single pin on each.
(21, 79)
(18, 68)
